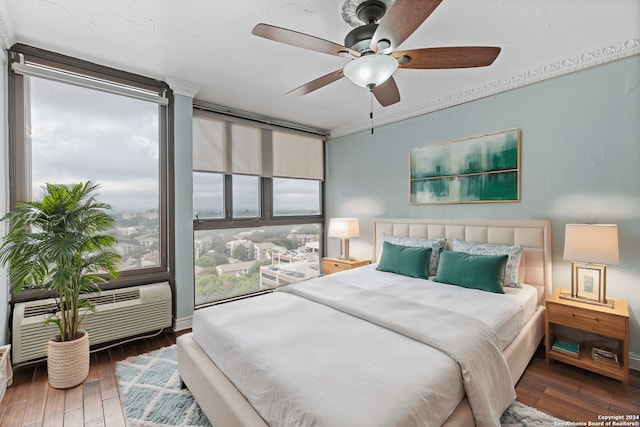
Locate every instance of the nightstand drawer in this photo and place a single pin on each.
(588, 320)
(333, 265)
(330, 266)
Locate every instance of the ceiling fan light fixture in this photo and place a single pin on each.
(370, 70)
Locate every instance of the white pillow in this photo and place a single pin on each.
(513, 263)
(436, 245)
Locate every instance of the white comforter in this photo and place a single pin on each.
(304, 363)
(506, 313)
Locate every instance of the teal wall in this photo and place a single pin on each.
(580, 163)
(183, 181)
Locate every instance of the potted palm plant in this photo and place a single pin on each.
(59, 244)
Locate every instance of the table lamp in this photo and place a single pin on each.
(590, 248)
(344, 228)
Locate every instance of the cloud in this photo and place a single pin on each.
(79, 134)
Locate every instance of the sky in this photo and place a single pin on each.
(80, 133)
(289, 194)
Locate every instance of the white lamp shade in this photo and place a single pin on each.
(344, 228)
(595, 243)
(370, 70)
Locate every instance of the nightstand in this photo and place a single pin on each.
(607, 322)
(333, 265)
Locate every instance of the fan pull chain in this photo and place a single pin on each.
(371, 113)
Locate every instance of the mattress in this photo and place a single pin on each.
(335, 369)
(505, 313)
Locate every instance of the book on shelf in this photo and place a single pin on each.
(603, 355)
(565, 346)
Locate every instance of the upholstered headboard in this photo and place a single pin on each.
(533, 235)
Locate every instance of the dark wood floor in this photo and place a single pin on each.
(560, 390)
(574, 394)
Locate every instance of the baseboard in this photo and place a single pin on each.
(634, 362)
(183, 323)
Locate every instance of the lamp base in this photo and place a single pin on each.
(608, 303)
(345, 243)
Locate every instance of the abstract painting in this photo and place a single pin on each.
(478, 169)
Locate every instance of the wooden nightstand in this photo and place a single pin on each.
(611, 323)
(333, 265)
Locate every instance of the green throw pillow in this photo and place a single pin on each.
(405, 260)
(484, 272)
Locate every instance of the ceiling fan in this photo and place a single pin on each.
(372, 48)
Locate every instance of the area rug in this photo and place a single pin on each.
(150, 391)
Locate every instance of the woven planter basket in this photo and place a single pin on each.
(68, 362)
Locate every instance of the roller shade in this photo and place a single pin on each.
(246, 149)
(236, 148)
(209, 136)
(297, 156)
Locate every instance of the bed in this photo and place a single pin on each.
(327, 343)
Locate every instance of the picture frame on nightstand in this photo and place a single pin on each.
(588, 281)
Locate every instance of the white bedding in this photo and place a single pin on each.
(506, 314)
(337, 370)
(328, 378)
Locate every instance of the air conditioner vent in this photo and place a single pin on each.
(120, 313)
(40, 309)
(102, 299)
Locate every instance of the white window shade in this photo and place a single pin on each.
(209, 137)
(246, 150)
(223, 146)
(297, 156)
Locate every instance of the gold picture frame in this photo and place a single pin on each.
(478, 169)
(588, 282)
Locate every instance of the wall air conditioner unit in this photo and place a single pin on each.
(120, 313)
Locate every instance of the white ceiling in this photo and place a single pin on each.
(207, 44)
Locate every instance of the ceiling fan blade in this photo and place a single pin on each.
(317, 83)
(447, 57)
(305, 41)
(387, 93)
(401, 20)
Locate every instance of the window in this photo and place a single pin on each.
(82, 122)
(208, 195)
(246, 196)
(258, 202)
(293, 197)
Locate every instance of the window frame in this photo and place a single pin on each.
(266, 217)
(19, 182)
